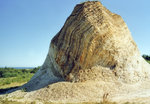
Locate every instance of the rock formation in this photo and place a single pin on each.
(93, 45)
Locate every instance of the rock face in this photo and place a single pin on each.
(94, 44)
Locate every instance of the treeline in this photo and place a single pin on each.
(11, 72)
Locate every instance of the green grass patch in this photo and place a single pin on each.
(10, 77)
(18, 79)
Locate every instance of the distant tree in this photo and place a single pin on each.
(35, 69)
(146, 57)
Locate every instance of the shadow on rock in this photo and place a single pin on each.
(9, 90)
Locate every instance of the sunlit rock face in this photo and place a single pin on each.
(94, 44)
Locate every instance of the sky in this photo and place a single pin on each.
(27, 27)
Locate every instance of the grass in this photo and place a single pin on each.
(15, 81)
(10, 77)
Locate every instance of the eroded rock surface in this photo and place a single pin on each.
(94, 44)
(93, 36)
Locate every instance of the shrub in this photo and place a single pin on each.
(146, 57)
(35, 69)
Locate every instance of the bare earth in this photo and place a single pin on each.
(66, 92)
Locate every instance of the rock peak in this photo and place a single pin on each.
(89, 3)
(87, 9)
(94, 44)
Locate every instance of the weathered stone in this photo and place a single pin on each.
(94, 44)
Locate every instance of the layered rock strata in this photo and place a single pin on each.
(94, 44)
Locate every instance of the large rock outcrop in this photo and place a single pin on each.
(94, 44)
(92, 58)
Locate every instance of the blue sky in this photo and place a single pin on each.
(27, 26)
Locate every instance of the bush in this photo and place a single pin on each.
(35, 69)
(146, 57)
(8, 74)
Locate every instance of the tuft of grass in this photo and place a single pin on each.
(24, 89)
